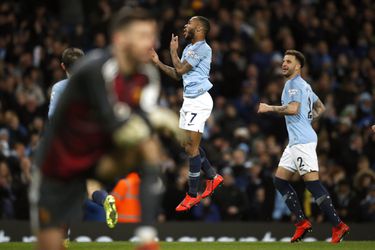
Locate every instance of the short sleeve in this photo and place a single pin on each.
(294, 93)
(193, 57)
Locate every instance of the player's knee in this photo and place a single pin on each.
(191, 151)
(187, 148)
(279, 183)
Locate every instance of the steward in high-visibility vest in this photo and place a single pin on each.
(126, 193)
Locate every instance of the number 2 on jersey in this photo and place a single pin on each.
(300, 163)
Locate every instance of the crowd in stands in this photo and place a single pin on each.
(248, 39)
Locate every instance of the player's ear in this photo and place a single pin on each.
(63, 66)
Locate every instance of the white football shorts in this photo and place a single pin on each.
(301, 158)
(195, 112)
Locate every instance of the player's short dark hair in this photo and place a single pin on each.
(299, 56)
(126, 16)
(70, 56)
(205, 23)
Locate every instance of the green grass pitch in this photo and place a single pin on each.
(348, 245)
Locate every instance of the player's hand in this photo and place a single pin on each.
(174, 43)
(373, 128)
(263, 108)
(134, 131)
(166, 122)
(154, 57)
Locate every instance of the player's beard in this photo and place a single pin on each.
(189, 35)
(288, 73)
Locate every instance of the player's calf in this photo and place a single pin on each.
(323, 200)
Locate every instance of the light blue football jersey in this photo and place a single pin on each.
(299, 126)
(198, 55)
(57, 89)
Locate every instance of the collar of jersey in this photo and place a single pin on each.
(298, 75)
(197, 43)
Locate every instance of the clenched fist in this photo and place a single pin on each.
(263, 108)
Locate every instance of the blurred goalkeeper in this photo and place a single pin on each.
(102, 126)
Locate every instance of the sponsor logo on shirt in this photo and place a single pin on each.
(292, 92)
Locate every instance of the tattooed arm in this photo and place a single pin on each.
(180, 67)
(291, 108)
(318, 109)
(169, 71)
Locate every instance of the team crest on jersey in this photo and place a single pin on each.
(192, 54)
(292, 92)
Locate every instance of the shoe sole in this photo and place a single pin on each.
(342, 237)
(309, 230)
(344, 234)
(187, 209)
(110, 211)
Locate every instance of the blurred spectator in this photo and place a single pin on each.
(362, 182)
(206, 211)
(345, 201)
(17, 132)
(258, 210)
(281, 209)
(4, 142)
(232, 201)
(6, 193)
(175, 190)
(21, 187)
(30, 89)
(368, 206)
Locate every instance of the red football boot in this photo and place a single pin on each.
(211, 185)
(188, 202)
(301, 229)
(149, 246)
(339, 232)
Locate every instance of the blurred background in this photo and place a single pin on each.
(248, 39)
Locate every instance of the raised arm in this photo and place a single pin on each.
(181, 67)
(318, 109)
(169, 71)
(291, 108)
